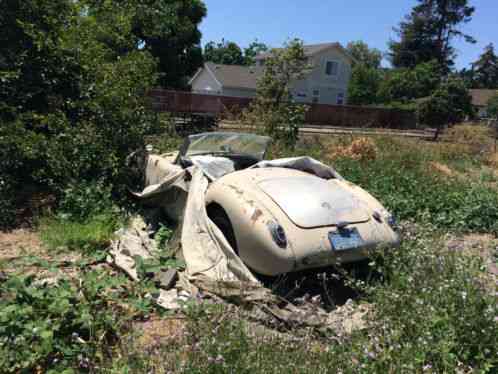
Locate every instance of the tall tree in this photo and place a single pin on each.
(428, 31)
(364, 85)
(254, 49)
(363, 54)
(169, 30)
(224, 52)
(229, 53)
(485, 69)
(404, 85)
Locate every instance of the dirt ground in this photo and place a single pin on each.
(19, 243)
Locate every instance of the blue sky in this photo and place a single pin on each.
(317, 21)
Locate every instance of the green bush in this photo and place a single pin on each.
(451, 103)
(81, 201)
(73, 95)
(67, 326)
(400, 179)
(492, 108)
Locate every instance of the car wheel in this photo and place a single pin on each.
(220, 219)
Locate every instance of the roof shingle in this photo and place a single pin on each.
(236, 76)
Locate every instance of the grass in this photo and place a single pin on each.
(432, 309)
(94, 233)
(430, 315)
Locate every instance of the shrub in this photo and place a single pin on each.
(73, 102)
(449, 104)
(492, 108)
(64, 326)
(400, 179)
(273, 110)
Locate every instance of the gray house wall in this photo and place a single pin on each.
(329, 87)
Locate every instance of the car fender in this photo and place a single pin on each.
(250, 218)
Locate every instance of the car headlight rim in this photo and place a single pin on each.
(278, 234)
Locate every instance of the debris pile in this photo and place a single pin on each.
(259, 304)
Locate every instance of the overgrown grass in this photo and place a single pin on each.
(94, 233)
(73, 325)
(431, 308)
(86, 219)
(429, 314)
(401, 176)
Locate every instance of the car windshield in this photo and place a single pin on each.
(219, 143)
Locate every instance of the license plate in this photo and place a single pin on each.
(345, 239)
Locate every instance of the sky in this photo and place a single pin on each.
(320, 21)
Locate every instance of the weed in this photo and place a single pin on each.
(429, 314)
(67, 325)
(93, 234)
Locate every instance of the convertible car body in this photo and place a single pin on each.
(279, 217)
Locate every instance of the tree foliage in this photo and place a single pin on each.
(273, 107)
(74, 80)
(254, 49)
(492, 108)
(229, 53)
(225, 52)
(167, 29)
(363, 54)
(449, 104)
(404, 84)
(485, 69)
(364, 85)
(428, 31)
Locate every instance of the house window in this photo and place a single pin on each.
(316, 96)
(340, 98)
(332, 68)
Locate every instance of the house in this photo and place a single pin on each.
(226, 80)
(327, 82)
(480, 100)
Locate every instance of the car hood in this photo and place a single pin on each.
(312, 202)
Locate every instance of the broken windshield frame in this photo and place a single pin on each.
(225, 144)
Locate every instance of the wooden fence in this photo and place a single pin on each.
(317, 115)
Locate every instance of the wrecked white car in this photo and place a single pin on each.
(277, 216)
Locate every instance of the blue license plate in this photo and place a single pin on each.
(345, 239)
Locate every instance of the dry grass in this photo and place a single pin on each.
(361, 149)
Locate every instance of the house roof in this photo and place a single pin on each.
(313, 49)
(481, 97)
(235, 76)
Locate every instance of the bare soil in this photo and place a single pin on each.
(19, 243)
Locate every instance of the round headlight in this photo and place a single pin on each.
(278, 234)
